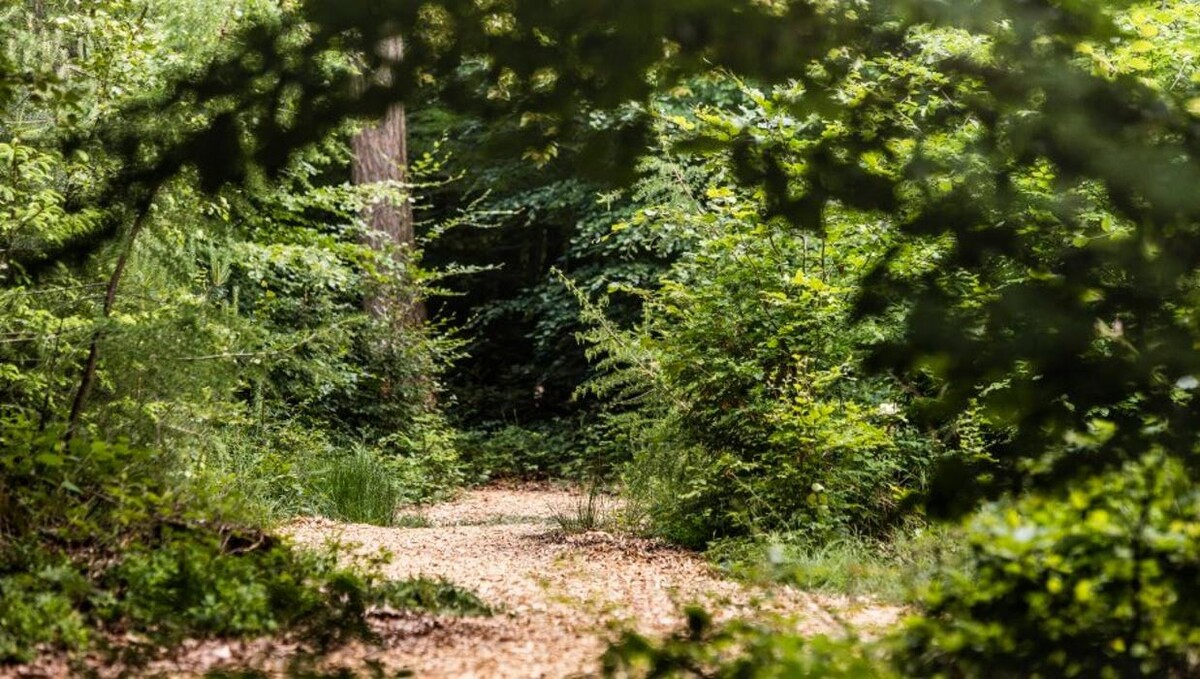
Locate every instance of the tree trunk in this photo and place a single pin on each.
(381, 155)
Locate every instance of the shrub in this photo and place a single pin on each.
(742, 650)
(227, 583)
(103, 537)
(424, 459)
(1100, 582)
(40, 604)
(745, 385)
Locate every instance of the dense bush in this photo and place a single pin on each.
(745, 387)
(1099, 582)
(742, 392)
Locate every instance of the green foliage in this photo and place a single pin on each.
(560, 449)
(237, 337)
(523, 363)
(271, 466)
(212, 584)
(1097, 582)
(945, 133)
(99, 537)
(424, 459)
(287, 468)
(756, 412)
(742, 650)
(39, 607)
(82, 490)
(357, 487)
(891, 569)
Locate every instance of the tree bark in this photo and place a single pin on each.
(381, 155)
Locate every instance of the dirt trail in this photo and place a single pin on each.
(559, 596)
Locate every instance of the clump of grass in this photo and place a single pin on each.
(888, 570)
(412, 520)
(360, 488)
(590, 512)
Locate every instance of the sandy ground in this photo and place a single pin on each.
(560, 598)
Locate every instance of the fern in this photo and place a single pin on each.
(627, 372)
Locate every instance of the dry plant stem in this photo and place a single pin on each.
(88, 378)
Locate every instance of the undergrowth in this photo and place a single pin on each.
(105, 541)
(890, 569)
(289, 469)
(589, 512)
(567, 448)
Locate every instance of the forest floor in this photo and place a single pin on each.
(560, 597)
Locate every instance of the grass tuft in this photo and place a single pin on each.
(358, 488)
(888, 570)
(590, 512)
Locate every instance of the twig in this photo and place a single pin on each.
(110, 297)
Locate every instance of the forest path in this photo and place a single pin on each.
(559, 597)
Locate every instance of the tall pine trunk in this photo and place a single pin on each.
(381, 155)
